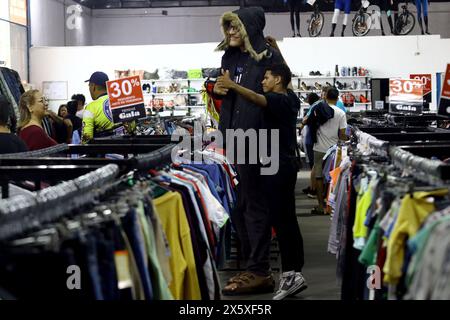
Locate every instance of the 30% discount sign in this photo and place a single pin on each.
(126, 99)
(405, 96)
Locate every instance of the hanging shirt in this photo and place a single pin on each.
(216, 212)
(184, 285)
(160, 288)
(413, 212)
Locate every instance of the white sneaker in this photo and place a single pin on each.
(291, 283)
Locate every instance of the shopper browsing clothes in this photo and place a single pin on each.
(33, 109)
(81, 101)
(327, 135)
(281, 106)
(97, 118)
(246, 55)
(313, 100)
(72, 107)
(9, 142)
(64, 128)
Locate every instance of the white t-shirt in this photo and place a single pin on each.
(328, 133)
(79, 114)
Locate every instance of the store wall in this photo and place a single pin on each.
(193, 25)
(49, 24)
(383, 56)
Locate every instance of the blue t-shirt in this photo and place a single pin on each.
(341, 106)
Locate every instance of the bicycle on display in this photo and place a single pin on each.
(317, 20)
(362, 21)
(405, 22)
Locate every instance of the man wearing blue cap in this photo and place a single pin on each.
(97, 117)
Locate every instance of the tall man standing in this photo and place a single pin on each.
(246, 56)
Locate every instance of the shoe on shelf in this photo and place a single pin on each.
(329, 84)
(339, 85)
(291, 283)
(317, 73)
(318, 86)
(312, 73)
(363, 99)
(303, 86)
(249, 283)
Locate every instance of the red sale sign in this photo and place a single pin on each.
(126, 99)
(444, 103)
(426, 81)
(406, 96)
(446, 85)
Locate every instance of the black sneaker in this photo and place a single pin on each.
(291, 283)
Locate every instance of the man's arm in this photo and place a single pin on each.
(343, 128)
(69, 127)
(88, 126)
(342, 135)
(54, 116)
(224, 81)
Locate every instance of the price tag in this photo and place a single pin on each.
(379, 105)
(122, 262)
(405, 96)
(444, 103)
(126, 99)
(426, 81)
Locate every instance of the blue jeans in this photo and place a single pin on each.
(422, 4)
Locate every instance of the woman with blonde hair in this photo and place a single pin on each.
(33, 108)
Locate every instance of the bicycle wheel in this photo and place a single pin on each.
(405, 23)
(316, 24)
(361, 24)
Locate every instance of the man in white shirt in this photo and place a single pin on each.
(328, 135)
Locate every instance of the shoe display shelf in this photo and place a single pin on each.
(358, 86)
(173, 97)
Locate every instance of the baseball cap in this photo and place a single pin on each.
(98, 78)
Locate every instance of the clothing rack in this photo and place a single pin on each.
(405, 120)
(19, 215)
(412, 137)
(37, 153)
(52, 169)
(97, 179)
(385, 129)
(370, 144)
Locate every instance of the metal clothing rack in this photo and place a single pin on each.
(409, 150)
(424, 169)
(414, 120)
(37, 153)
(21, 214)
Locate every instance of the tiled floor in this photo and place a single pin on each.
(320, 266)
